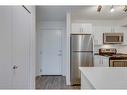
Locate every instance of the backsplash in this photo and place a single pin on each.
(120, 48)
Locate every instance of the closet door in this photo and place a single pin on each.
(21, 47)
(5, 47)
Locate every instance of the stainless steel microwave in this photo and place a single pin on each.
(113, 38)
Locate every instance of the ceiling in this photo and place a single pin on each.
(51, 13)
(58, 13)
(90, 12)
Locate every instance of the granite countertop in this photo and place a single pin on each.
(106, 77)
(102, 55)
(117, 55)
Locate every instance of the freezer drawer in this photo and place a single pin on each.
(81, 42)
(83, 59)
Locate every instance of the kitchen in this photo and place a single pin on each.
(85, 38)
(63, 48)
(110, 45)
(106, 28)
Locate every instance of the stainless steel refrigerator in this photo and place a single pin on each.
(81, 55)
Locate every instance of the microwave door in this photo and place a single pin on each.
(112, 38)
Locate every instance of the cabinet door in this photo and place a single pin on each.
(122, 30)
(98, 35)
(105, 61)
(21, 46)
(101, 61)
(97, 61)
(76, 28)
(87, 28)
(5, 47)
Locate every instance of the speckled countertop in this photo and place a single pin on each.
(114, 56)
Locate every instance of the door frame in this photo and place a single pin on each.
(62, 38)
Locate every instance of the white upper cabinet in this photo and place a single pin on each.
(76, 28)
(81, 28)
(98, 36)
(87, 28)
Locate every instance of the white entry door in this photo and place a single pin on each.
(50, 52)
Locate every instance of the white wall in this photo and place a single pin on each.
(99, 22)
(33, 47)
(124, 22)
(50, 25)
(68, 29)
(51, 13)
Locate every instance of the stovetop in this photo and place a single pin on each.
(111, 52)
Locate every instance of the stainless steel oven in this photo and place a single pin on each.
(118, 63)
(112, 38)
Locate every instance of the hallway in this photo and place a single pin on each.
(53, 82)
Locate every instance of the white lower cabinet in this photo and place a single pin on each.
(101, 61)
(105, 61)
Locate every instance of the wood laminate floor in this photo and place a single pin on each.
(53, 82)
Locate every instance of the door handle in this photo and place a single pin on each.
(15, 67)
